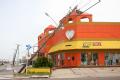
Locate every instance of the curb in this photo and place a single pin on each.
(40, 76)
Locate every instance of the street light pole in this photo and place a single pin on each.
(51, 18)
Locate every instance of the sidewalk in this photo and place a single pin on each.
(2, 77)
(86, 72)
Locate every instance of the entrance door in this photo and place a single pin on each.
(71, 59)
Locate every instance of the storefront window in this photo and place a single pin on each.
(54, 59)
(108, 58)
(118, 58)
(62, 59)
(89, 58)
(95, 58)
(84, 58)
(92, 58)
(112, 58)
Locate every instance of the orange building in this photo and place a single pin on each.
(81, 42)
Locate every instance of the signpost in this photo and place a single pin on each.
(28, 56)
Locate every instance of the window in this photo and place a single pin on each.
(70, 20)
(62, 56)
(50, 31)
(84, 20)
(94, 60)
(39, 38)
(112, 58)
(89, 58)
(73, 58)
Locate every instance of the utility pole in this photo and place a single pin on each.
(18, 53)
(14, 56)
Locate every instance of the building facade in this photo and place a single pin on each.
(82, 42)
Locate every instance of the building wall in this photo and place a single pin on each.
(84, 31)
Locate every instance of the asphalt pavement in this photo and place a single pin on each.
(85, 78)
(113, 73)
(6, 72)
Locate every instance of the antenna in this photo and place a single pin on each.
(88, 7)
(51, 19)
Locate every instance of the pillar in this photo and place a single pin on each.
(101, 58)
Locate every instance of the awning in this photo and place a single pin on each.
(70, 45)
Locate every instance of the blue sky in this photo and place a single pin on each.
(21, 21)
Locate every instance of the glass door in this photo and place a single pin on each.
(94, 58)
(83, 58)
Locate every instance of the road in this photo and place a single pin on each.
(5, 69)
(6, 73)
(86, 78)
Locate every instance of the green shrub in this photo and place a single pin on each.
(42, 62)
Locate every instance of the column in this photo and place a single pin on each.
(101, 58)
